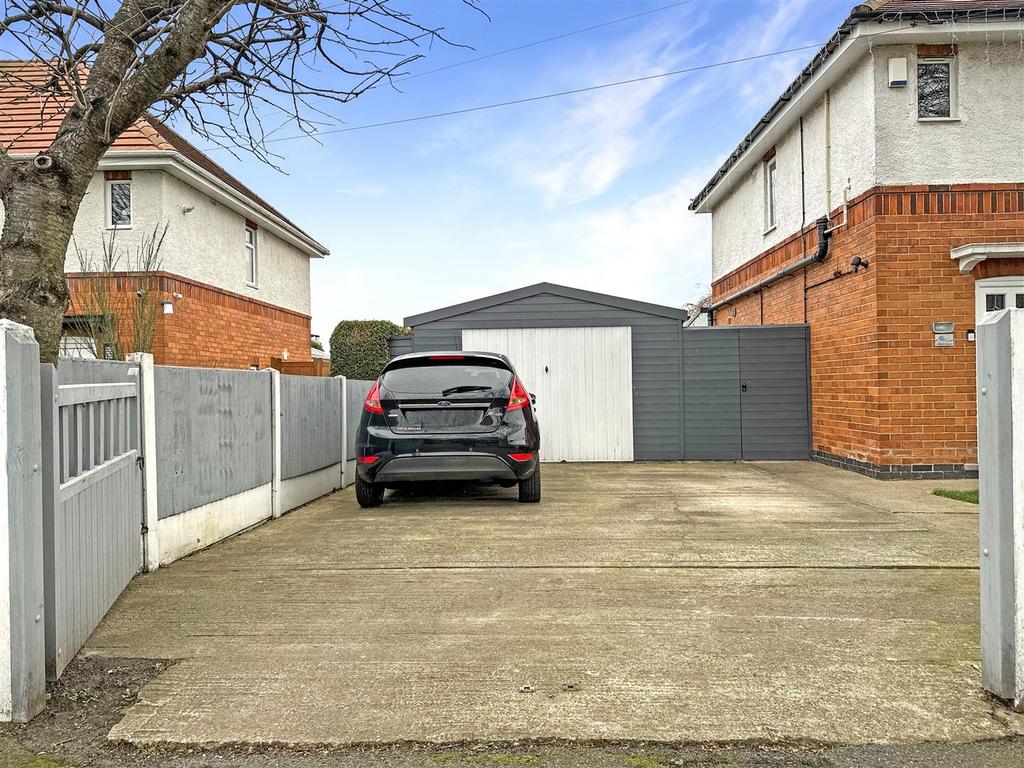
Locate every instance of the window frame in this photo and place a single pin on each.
(108, 199)
(991, 294)
(954, 88)
(252, 255)
(771, 194)
(1009, 285)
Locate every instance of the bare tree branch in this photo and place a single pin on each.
(234, 71)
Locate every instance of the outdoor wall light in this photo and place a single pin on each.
(187, 209)
(168, 307)
(858, 262)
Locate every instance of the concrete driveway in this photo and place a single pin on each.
(676, 602)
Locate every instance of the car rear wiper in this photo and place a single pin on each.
(464, 388)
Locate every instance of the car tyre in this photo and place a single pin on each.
(369, 494)
(529, 489)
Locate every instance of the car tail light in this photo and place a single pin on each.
(520, 456)
(372, 403)
(446, 357)
(519, 396)
(367, 459)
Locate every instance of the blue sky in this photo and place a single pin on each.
(588, 190)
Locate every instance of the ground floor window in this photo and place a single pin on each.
(998, 293)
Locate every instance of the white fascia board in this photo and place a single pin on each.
(837, 65)
(199, 178)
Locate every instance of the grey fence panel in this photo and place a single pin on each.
(213, 435)
(355, 394)
(311, 436)
(100, 551)
(93, 523)
(711, 394)
(774, 393)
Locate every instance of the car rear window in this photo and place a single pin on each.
(435, 378)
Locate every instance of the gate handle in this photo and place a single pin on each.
(743, 387)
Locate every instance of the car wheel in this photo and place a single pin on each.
(369, 494)
(529, 490)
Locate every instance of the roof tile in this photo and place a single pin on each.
(31, 113)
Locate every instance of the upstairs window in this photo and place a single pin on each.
(250, 255)
(119, 204)
(770, 190)
(936, 89)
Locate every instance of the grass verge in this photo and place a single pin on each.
(971, 497)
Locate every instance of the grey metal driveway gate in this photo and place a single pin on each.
(92, 497)
(746, 393)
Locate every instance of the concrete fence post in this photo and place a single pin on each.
(275, 443)
(343, 393)
(150, 497)
(22, 633)
(53, 533)
(1001, 479)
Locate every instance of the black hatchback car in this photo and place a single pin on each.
(447, 416)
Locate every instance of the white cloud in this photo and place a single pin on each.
(576, 149)
(652, 248)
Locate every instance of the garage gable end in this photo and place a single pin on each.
(655, 333)
(547, 295)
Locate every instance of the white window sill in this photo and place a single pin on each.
(770, 229)
(118, 226)
(254, 286)
(938, 119)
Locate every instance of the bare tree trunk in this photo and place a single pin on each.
(39, 214)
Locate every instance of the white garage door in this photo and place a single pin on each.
(583, 380)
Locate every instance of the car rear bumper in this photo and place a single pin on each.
(446, 466)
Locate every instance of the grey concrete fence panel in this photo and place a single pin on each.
(213, 435)
(311, 436)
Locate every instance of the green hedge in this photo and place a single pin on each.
(359, 348)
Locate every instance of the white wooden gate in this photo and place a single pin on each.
(583, 380)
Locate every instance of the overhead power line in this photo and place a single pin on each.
(524, 46)
(545, 96)
(558, 94)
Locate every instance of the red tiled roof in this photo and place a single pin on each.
(31, 113)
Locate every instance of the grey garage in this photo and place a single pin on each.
(624, 380)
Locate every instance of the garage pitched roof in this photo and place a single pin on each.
(546, 288)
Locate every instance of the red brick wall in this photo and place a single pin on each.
(882, 393)
(209, 327)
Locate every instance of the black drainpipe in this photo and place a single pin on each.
(816, 258)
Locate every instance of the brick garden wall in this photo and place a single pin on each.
(885, 400)
(210, 327)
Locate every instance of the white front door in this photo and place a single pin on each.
(995, 293)
(583, 380)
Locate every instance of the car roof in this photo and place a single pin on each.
(452, 353)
